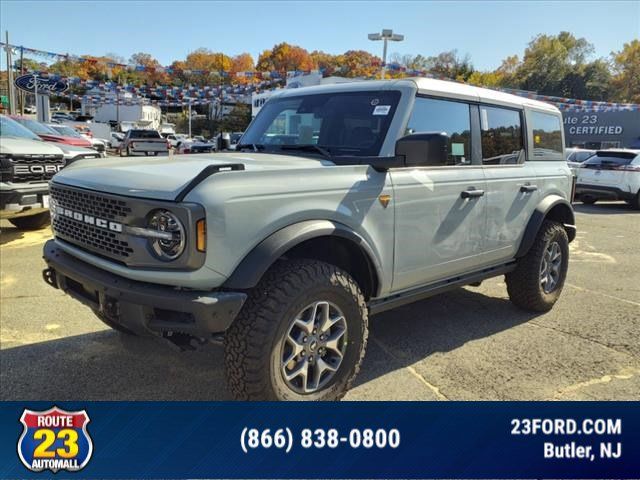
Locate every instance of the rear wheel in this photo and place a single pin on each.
(301, 335)
(635, 202)
(537, 281)
(32, 222)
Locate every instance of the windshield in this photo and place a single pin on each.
(67, 131)
(36, 127)
(345, 123)
(11, 128)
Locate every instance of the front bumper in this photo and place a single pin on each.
(24, 200)
(143, 308)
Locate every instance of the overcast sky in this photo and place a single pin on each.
(488, 31)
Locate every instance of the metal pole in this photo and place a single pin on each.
(189, 117)
(384, 59)
(35, 91)
(11, 88)
(22, 94)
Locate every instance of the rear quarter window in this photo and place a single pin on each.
(547, 136)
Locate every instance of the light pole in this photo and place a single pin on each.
(386, 35)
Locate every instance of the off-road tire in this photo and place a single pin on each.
(114, 325)
(251, 343)
(32, 222)
(523, 284)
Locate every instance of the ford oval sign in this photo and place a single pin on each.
(46, 85)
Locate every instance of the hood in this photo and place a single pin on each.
(73, 151)
(80, 142)
(24, 146)
(164, 177)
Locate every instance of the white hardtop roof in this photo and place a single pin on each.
(464, 91)
(428, 86)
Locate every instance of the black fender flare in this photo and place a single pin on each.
(564, 215)
(255, 264)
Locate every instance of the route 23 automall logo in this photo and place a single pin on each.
(55, 440)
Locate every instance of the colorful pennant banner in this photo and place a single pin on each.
(177, 96)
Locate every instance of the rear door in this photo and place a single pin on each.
(512, 189)
(589, 172)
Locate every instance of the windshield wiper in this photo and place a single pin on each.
(309, 148)
(256, 147)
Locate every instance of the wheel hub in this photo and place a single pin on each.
(550, 267)
(313, 349)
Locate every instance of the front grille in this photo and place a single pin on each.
(30, 168)
(91, 203)
(114, 245)
(94, 238)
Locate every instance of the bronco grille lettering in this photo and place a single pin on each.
(90, 220)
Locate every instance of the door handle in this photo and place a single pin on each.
(528, 188)
(472, 193)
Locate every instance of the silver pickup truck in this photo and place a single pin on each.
(143, 141)
(340, 202)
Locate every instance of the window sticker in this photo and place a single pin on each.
(457, 149)
(382, 110)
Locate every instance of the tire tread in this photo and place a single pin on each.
(247, 349)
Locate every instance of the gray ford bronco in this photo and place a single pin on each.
(340, 202)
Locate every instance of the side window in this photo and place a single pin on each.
(453, 118)
(594, 162)
(547, 136)
(502, 140)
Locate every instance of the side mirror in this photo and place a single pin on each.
(423, 149)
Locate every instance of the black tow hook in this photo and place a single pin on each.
(49, 276)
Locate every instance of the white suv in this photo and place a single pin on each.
(610, 175)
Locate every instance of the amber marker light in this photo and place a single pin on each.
(201, 235)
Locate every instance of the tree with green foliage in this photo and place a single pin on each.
(626, 68)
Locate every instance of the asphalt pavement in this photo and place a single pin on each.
(468, 344)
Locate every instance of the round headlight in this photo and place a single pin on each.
(171, 240)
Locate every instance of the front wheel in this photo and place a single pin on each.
(537, 281)
(635, 202)
(301, 335)
(32, 222)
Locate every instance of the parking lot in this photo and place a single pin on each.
(469, 344)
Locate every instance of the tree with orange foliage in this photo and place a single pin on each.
(328, 63)
(242, 63)
(206, 60)
(284, 58)
(358, 63)
(153, 73)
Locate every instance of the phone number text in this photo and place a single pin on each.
(285, 439)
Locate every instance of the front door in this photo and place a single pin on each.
(439, 234)
(439, 228)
